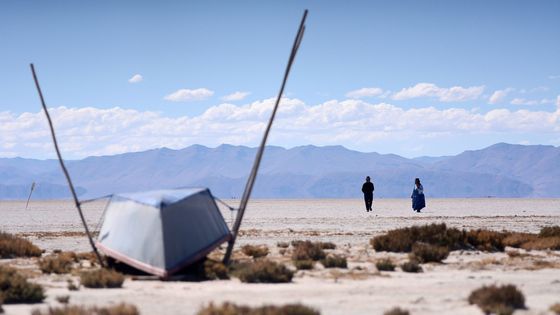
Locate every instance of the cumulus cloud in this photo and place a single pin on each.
(365, 92)
(186, 95)
(353, 123)
(136, 78)
(522, 101)
(235, 96)
(452, 94)
(499, 95)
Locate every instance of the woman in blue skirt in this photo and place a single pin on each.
(418, 199)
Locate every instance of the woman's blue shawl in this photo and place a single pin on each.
(418, 200)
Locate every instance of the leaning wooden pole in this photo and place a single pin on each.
(258, 157)
(64, 170)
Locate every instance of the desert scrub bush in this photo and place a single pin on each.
(411, 266)
(516, 239)
(385, 264)
(327, 245)
(14, 288)
(63, 299)
(233, 309)
(255, 251)
(304, 264)
(283, 244)
(57, 263)
(215, 270)
(501, 300)
(428, 253)
(402, 239)
(334, 261)
(71, 286)
(264, 271)
(396, 311)
(119, 309)
(306, 250)
(552, 243)
(555, 308)
(486, 240)
(12, 246)
(549, 231)
(101, 278)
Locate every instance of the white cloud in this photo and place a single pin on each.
(136, 78)
(558, 103)
(186, 95)
(452, 94)
(499, 95)
(353, 123)
(522, 101)
(365, 92)
(235, 96)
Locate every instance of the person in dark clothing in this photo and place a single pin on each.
(418, 199)
(367, 189)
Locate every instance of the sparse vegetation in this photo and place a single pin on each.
(233, 309)
(57, 263)
(411, 266)
(264, 271)
(12, 246)
(429, 253)
(283, 244)
(501, 300)
(396, 311)
(101, 278)
(215, 270)
(255, 251)
(306, 250)
(385, 264)
(555, 308)
(552, 242)
(72, 287)
(120, 309)
(14, 288)
(335, 261)
(517, 239)
(550, 231)
(304, 264)
(327, 245)
(63, 299)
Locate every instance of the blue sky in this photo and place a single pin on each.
(446, 69)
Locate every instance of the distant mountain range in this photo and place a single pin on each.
(501, 170)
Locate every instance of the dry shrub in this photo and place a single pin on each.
(499, 300)
(71, 286)
(255, 251)
(402, 239)
(233, 309)
(119, 309)
(335, 261)
(264, 271)
(396, 311)
(101, 278)
(549, 231)
(215, 270)
(304, 264)
(411, 266)
(486, 240)
(429, 253)
(283, 244)
(58, 263)
(385, 264)
(14, 288)
(307, 250)
(12, 246)
(327, 245)
(555, 308)
(63, 299)
(515, 239)
(552, 242)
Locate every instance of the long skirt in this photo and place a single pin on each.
(418, 202)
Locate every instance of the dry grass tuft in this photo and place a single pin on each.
(255, 251)
(396, 311)
(233, 309)
(402, 239)
(552, 242)
(411, 266)
(385, 264)
(12, 246)
(304, 264)
(14, 288)
(549, 231)
(429, 253)
(71, 286)
(214, 270)
(283, 244)
(327, 245)
(63, 299)
(555, 308)
(101, 278)
(306, 250)
(335, 261)
(264, 271)
(120, 309)
(499, 300)
(57, 263)
(486, 240)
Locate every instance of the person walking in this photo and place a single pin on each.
(367, 189)
(418, 199)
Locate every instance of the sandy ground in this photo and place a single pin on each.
(360, 289)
